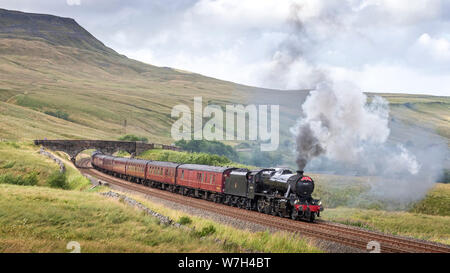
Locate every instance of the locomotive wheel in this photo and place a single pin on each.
(274, 212)
(312, 217)
(260, 206)
(294, 215)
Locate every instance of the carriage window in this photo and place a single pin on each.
(182, 174)
(211, 178)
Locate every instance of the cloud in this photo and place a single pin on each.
(242, 40)
(437, 48)
(73, 2)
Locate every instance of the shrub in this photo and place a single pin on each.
(133, 138)
(9, 179)
(184, 220)
(58, 180)
(9, 165)
(58, 114)
(186, 158)
(208, 230)
(209, 147)
(30, 179)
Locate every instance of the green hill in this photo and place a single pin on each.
(59, 81)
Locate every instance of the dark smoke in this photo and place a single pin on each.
(308, 146)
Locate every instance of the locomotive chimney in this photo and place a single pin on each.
(300, 173)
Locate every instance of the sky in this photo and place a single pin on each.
(376, 45)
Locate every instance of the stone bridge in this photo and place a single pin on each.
(74, 147)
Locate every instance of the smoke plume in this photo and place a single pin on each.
(343, 129)
(338, 122)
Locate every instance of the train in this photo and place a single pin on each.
(276, 191)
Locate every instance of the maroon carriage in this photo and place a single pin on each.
(119, 165)
(160, 171)
(108, 163)
(204, 177)
(97, 160)
(136, 168)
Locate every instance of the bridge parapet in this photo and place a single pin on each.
(74, 147)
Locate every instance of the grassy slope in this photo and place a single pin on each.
(422, 226)
(41, 219)
(429, 219)
(94, 97)
(428, 112)
(34, 219)
(20, 158)
(45, 220)
(99, 91)
(437, 201)
(258, 241)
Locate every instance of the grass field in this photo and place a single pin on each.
(22, 158)
(437, 201)
(428, 219)
(41, 219)
(100, 91)
(417, 225)
(36, 219)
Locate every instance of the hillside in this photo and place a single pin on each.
(50, 64)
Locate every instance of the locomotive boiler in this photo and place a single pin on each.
(276, 191)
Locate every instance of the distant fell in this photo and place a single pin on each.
(52, 29)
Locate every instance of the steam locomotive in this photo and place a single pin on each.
(276, 191)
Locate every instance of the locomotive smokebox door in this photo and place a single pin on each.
(236, 183)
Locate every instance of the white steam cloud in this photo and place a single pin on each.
(339, 123)
(343, 130)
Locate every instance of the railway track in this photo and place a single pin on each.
(345, 235)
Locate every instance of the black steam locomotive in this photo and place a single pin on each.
(273, 191)
(276, 191)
